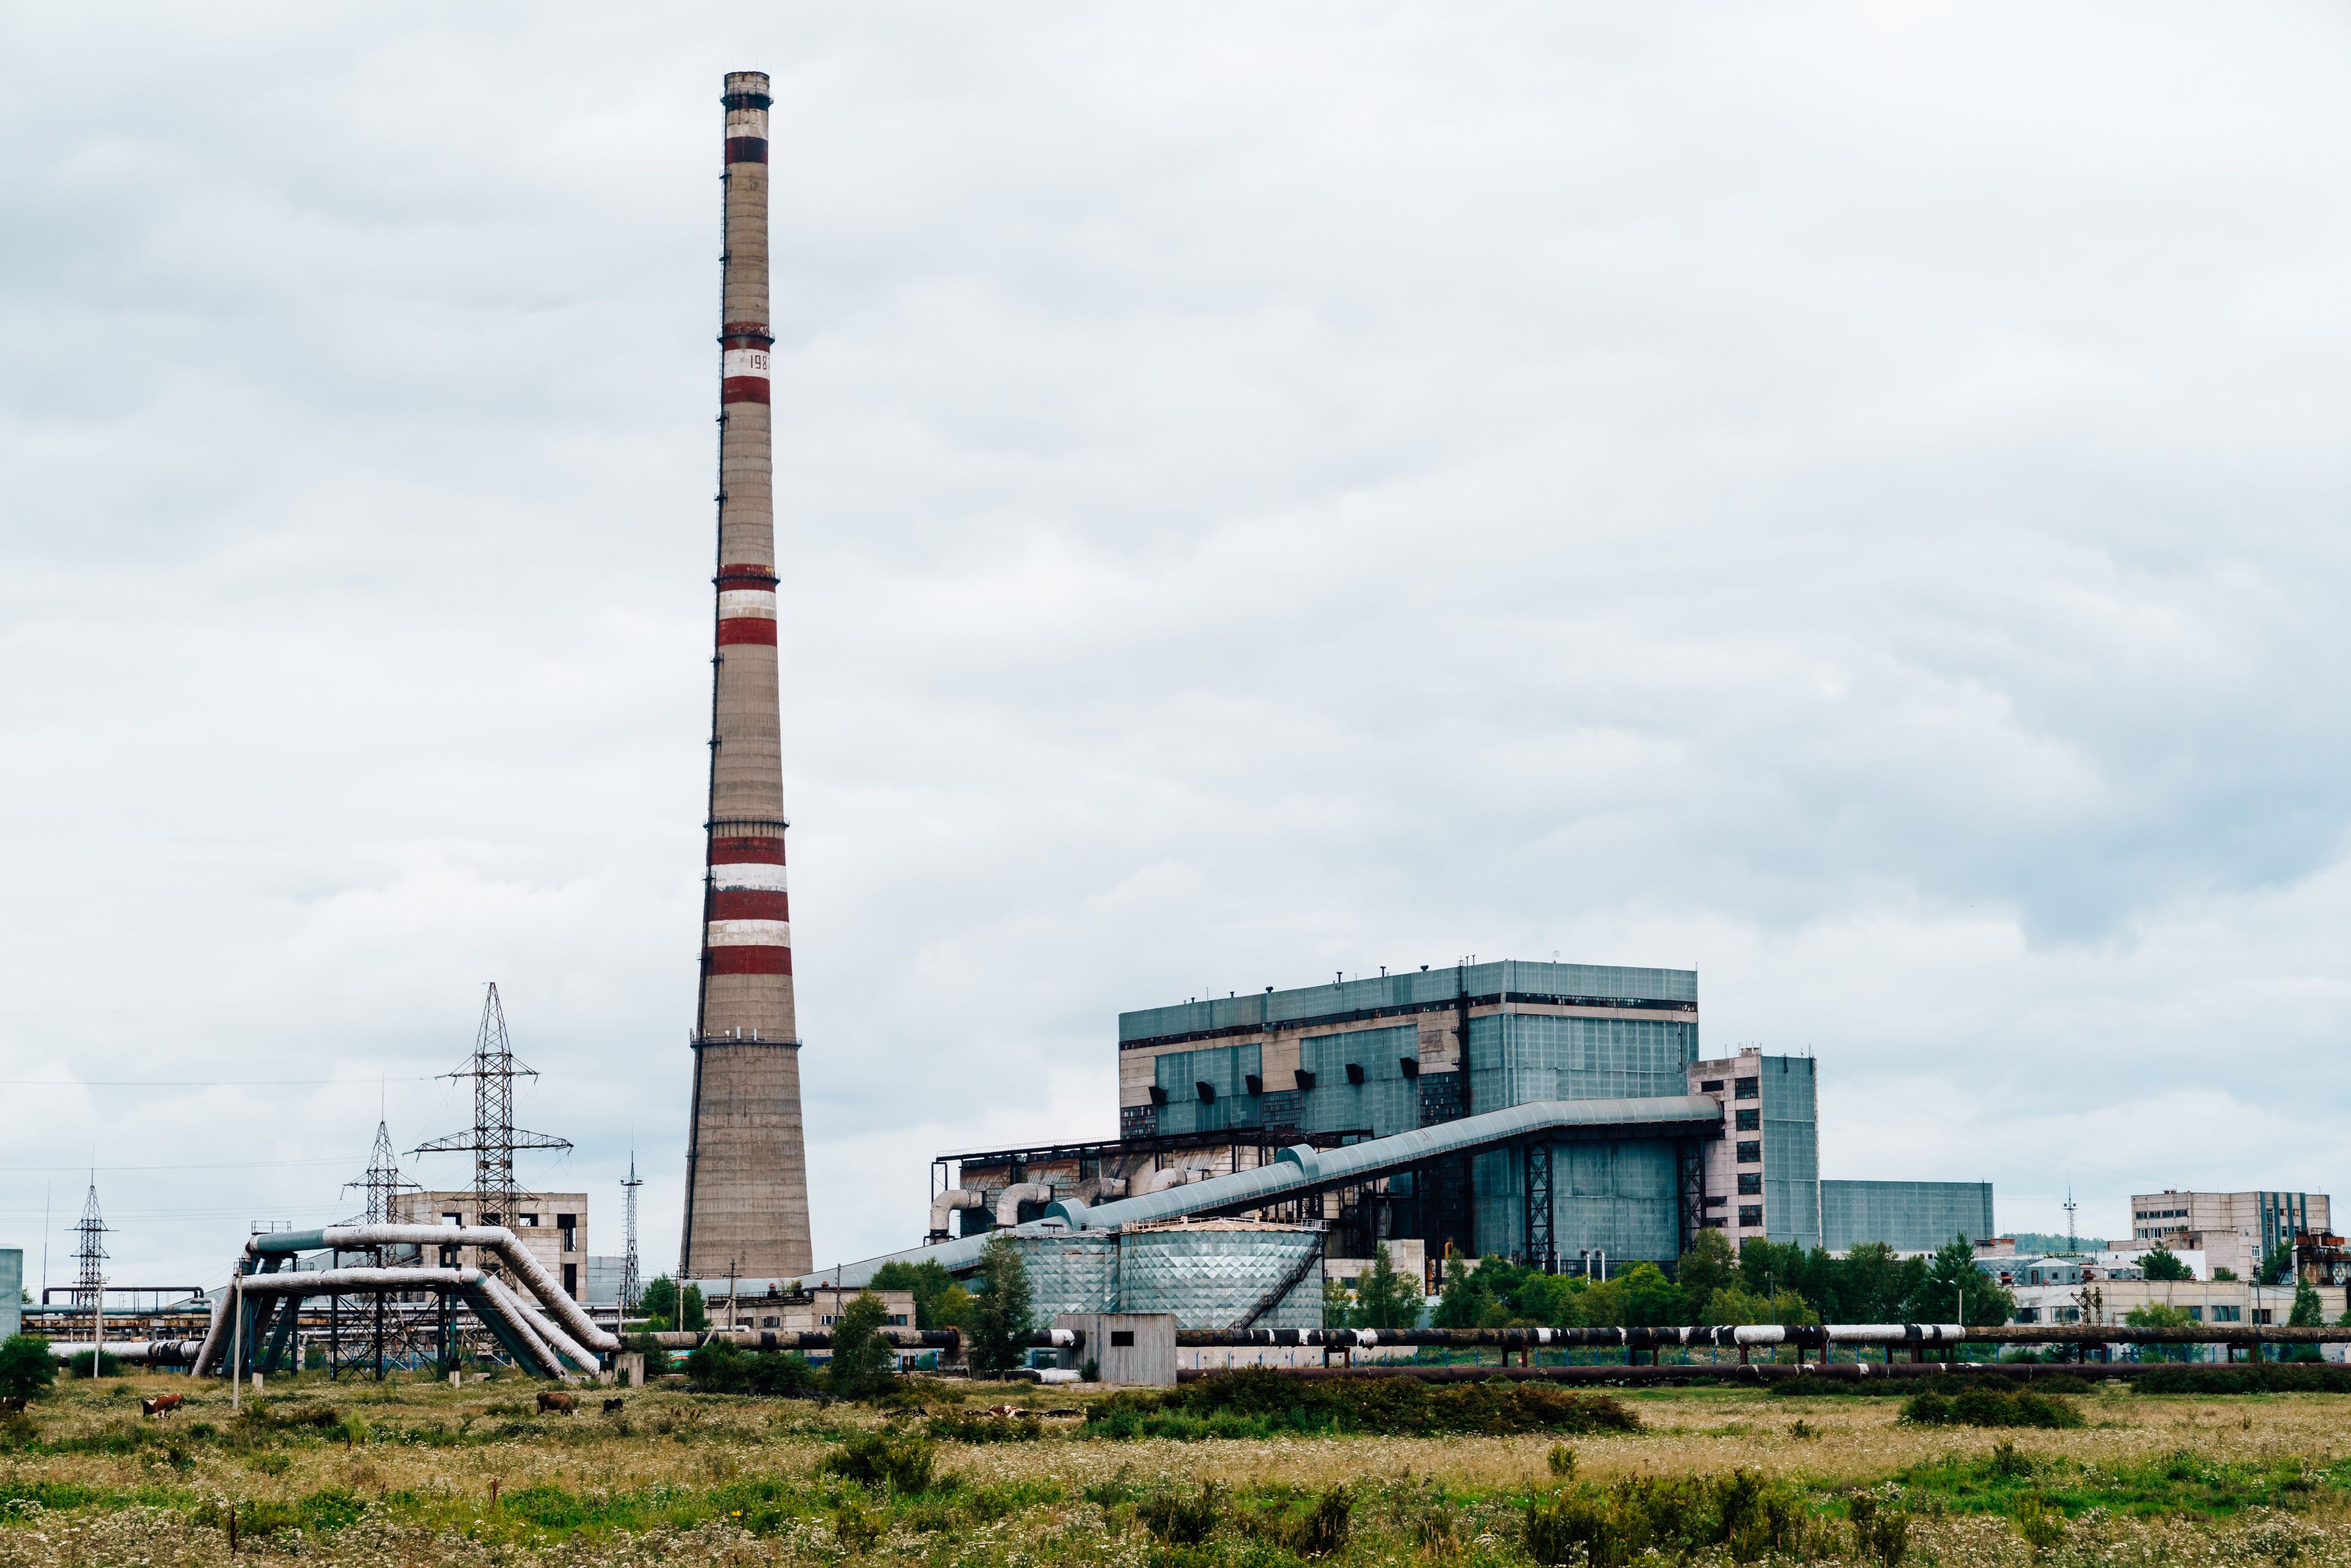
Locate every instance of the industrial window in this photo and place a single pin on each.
(571, 1279)
(1750, 1214)
(453, 1219)
(1207, 1091)
(1354, 1073)
(2261, 1314)
(2027, 1314)
(1715, 1224)
(1158, 1095)
(528, 1220)
(1122, 1339)
(1409, 1065)
(1749, 1121)
(1254, 1084)
(1746, 1088)
(1715, 1200)
(2237, 1315)
(771, 1323)
(1710, 1086)
(1750, 1152)
(2195, 1315)
(1305, 1079)
(1750, 1184)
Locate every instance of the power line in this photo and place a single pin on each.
(195, 1083)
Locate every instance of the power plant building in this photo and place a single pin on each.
(2234, 1230)
(1210, 1088)
(1907, 1216)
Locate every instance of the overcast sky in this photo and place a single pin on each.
(1847, 499)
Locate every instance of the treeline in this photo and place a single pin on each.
(1761, 1282)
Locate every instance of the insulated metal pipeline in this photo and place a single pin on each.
(1703, 1372)
(143, 1351)
(947, 1340)
(1723, 1335)
(485, 1295)
(495, 1238)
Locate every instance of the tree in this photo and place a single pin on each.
(660, 1302)
(2227, 1274)
(927, 1281)
(1384, 1298)
(27, 1368)
(1954, 1285)
(2309, 1311)
(2162, 1263)
(1878, 1287)
(1708, 1266)
(998, 1330)
(1336, 1300)
(2277, 1265)
(1651, 1301)
(862, 1359)
(1464, 1300)
(2159, 1315)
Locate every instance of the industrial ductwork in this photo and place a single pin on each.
(1174, 1175)
(947, 1203)
(138, 1352)
(548, 1330)
(1008, 1201)
(1094, 1189)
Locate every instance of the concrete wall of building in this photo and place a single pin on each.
(2236, 1230)
(2233, 1302)
(1134, 1350)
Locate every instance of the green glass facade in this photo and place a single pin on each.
(1907, 1216)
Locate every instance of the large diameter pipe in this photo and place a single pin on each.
(1715, 1335)
(143, 1351)
(496, 1239)
(1008, 1201)
(819, 1339)
(947, 1202)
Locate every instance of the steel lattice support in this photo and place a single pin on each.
(494, 1137)
(1542, 1249)
(89, 1252)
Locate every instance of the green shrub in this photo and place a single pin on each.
(1317, 1530)
(723, 1367)
(1882, 1535)
(27, 1368)
(2254, 1377)
(1947, 1383)
(878, 1459)
(963, 1426)
(1611, 1527)
(1260, 1401)
(2041, 1526)
(1992, 1407)
(1179, 1519)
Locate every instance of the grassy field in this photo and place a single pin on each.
(416, 1472)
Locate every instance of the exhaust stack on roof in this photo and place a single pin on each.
(745, 1166)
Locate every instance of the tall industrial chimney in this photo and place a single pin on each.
(746, 1211)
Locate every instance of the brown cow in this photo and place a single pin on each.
(551, 1400)
(162, 1404)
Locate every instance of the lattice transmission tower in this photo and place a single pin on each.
(632, 1283)
(494, 1137)
(89, 1253)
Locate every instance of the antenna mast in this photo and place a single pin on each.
(632, 1283)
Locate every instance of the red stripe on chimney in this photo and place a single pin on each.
(747, 150)
(743, 389)
(730, 851)
(753, 629)
(746, 960)
(747, 904)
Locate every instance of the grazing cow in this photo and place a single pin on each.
(551, 1400)
(162, 1404)
(14, 1404)
(612, 1407)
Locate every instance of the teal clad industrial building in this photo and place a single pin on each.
(1376, 1056)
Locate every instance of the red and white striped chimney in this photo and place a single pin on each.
(747, 1164)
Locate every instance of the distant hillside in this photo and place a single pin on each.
(2041, 1242)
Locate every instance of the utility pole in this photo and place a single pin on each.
(90, 1280)
(495, 1138)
